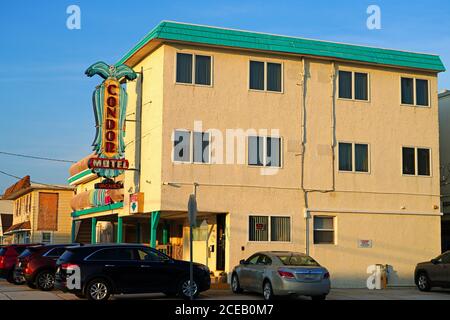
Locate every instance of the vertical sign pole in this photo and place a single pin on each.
(192, 208)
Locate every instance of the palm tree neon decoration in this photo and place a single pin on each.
(109, 101)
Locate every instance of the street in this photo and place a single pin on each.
(12, 292)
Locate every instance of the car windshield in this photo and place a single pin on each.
(297, 260)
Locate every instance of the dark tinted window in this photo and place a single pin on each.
(445, 258)
(423, 162)
(361, 86)
(361, 158)
(203, 70)
(297, 260)
(148, 254)
(26, 253)
(253, 259)
(55, 252)
(407, 91)
(274, 77)
(345, 85)
(184, 68)
(2, 251)
(422, 92)
(113, 254)
(256, 75)
(19, 250)
(409, 162)
(264, 260)
(67, 255)
(345, 157)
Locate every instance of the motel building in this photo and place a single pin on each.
(331, 149)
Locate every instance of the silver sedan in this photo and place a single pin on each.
(280, 274)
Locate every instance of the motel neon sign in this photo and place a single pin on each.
(110, 100)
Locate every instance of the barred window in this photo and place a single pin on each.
(259, 228)
(278, 230)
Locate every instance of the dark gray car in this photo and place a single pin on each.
(434, 273)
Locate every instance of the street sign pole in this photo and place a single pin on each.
(192, 212)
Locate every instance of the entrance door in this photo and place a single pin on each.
(221, 240)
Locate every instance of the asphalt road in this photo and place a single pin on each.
(12, 292)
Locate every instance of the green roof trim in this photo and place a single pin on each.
(175, 31)
(80, 175)
(108, 207)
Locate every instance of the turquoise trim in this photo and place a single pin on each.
(80, 175)
(119, 230)
(154, 220)
(93, 230)
(175, 31)
(109, 207)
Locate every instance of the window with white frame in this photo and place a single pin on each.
(264, 151)
(353, 85)
(353, 157)
(324, 230)
(194, 69)
(416, 161)
(415, 92)
(266, 76)
(46, 237)
(275, 228)
(182, 147)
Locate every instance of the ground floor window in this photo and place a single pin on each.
(263, 228)
(46, 237)
(324, 230)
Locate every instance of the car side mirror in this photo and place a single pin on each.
(244, 262)
(434, 261)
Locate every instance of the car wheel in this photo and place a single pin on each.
(268, 291)
(186, 291)
(98, 290)
(45, 281)
(423, 283)
(319, 298)
(12, 279)
(235, 285)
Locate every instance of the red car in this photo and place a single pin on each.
(8, 257)
(37, 265)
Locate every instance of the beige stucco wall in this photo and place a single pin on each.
(444, 120)
(399, 214)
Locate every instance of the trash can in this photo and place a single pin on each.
(381, 276)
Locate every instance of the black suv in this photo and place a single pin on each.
(97, 271)
(434, 273)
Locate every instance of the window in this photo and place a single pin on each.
(201, 147)
(55, 252)
(151, 255)
(115, 254)
(416, 161)
(353, 85)
(259, 228)
(201, 73)
(254, 259)
(265, 76)
(279, 229)
(415, 92)
(353, 157)
(182, 146)
(324, 230)
(264, 260)
(264, 151)
(46, 237)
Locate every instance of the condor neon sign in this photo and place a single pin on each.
(109, 100)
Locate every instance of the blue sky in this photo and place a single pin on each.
(45, 99)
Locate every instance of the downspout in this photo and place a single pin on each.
(303, 150)
(139, 132)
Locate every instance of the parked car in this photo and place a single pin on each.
(114, 269)
(281, 274)
(434, 273)
(8, 258)
(37, 265)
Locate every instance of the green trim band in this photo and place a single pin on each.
(80, 175)
(108, 207)
(196, 34)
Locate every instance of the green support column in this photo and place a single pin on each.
(73, 231)
(165, 235)
(154, 220)
(94, 230)
(119, 230)
(138, 232)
